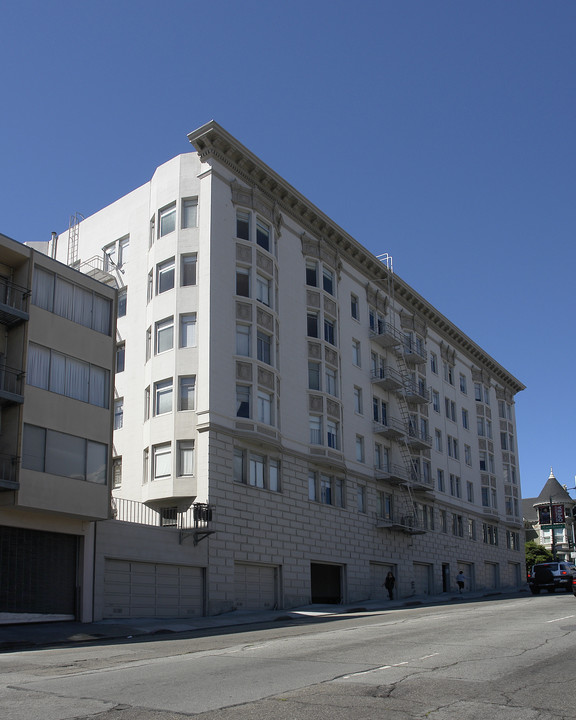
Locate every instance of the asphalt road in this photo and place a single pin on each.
(502, 658)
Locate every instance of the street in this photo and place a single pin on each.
(495, 658)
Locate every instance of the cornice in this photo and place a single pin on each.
(211, 141)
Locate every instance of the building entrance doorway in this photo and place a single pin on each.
(326, 583)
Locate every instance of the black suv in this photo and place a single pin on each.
(551, 575)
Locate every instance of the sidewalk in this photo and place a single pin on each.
(24, 636)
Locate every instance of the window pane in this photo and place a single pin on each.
(165, 276)
(243, 282)
(188, 270)
(82, 306)
(65, 455)
(102, 314)
(38, 373)
(263, 235)
(163, 397)
(122, 303)
(167, 220)
(58, 373)
(243, 225)
(243, 340)
(242, 401)
(165, 335)
(33, 448)
(99, 385)
(96, 461)
(43, 289)
(186, 457)
(162, 462)
(77, 379)
(188, 330)
(187, 392)
(64, 299)
(189, 212)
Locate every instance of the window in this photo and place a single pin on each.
(450, 406)
(185, 457)
(243, 225)
(147, 403)
(123, 251)
(358, 400)
(455, 488)
(436, 401)
(243, 340)
(329, 333)
(312, 274)
(328, 281)
(109, 257)
(116, 472)
(243, 282)
(440, 480)
(444, 521)
(64, 455)
(73, 302)
(164, 335)
(163, 397)
(263, 347)
(263, 235)
(148, 343)
(331, 382)
(313, 375)
(468, 455)
(263, 290)
(457, 525)
(449, 373)
(434, 363)
(332, 434)
(120, 357)
(145, 465)
(122, 302)
(161, 461)
(385, 505)
(150, 286)
(165, 276)
(489, 534)
(265, 414)
(312, 324)
(188, 269)
(360, 449)
(438, 440)
(65, 375)
(152, 236)
(356, 358)
(257, 470)
(167, 220)
(326, 489)
(242, 401)
(189, 212)
(187, 392)
(470, 491)
(465, 421)
(361, 498)
(118, 413)
(453, 450)
(463, 385)
(188, 330)
(381, 457)
(472, 529)
(315, 424)
(354, 307)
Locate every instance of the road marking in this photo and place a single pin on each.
(566, 617)
(385, 667)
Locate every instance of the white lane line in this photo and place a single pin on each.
(566, 617)
(385, 667)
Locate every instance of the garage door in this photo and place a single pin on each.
(137, 589)
(255, 587)
(422, 579)
(38, 572)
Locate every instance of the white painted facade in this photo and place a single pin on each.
(312, 498)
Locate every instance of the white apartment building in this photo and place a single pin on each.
(323, 420)
(57, 355)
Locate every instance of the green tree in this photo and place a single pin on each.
(536, 554)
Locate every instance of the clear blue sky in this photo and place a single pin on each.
(440, 131)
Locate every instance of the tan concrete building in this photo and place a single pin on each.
(56, 382)
(276, 376)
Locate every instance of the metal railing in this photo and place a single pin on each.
(13, 295)
(11, 380)
(8, 471)
(198, 516)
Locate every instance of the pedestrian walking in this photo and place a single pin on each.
(460, 580)
(389, 584)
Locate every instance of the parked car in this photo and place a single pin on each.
(551, 575)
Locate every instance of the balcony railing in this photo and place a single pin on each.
(409, 524)
(14, 302)
(197, 517)
(9, 472)
(417, 393)
(98, 269)
(413, 352)
(387, 378)
(11, 381)
(392, 428)
(385, 335)
(417, 439)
